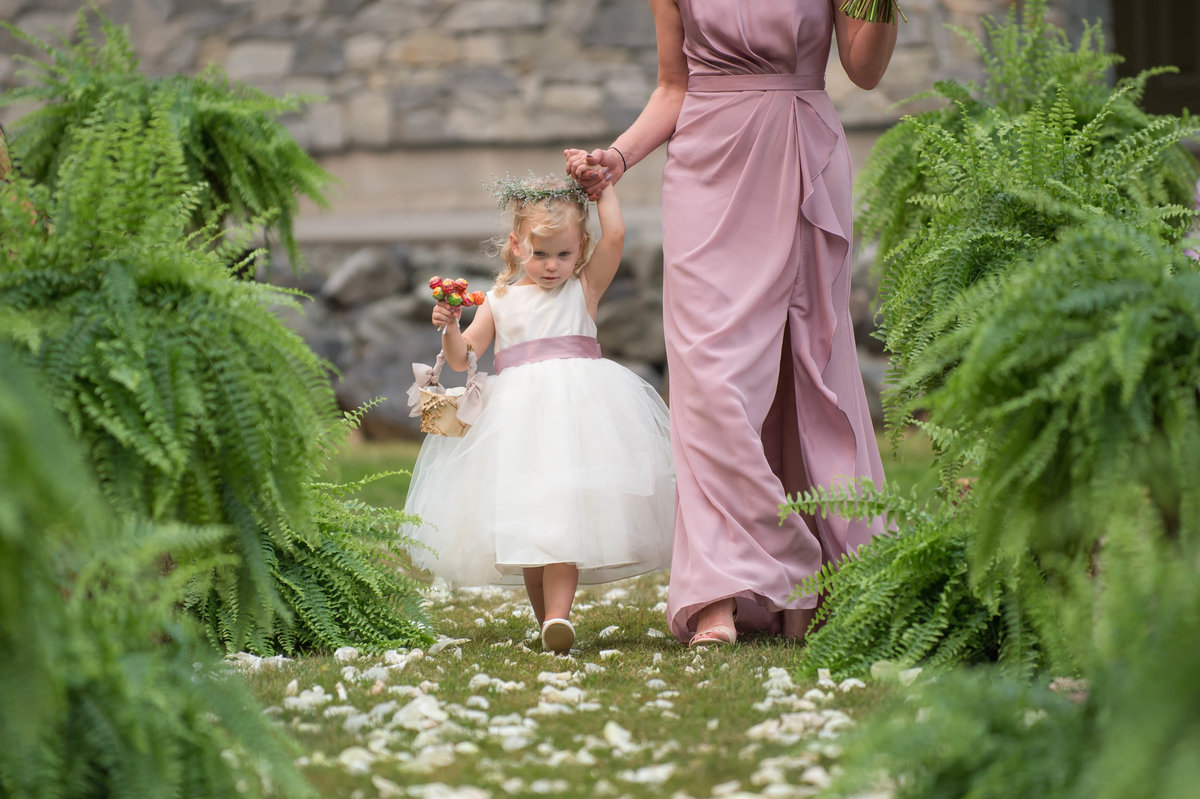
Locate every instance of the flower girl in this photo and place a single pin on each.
(565, 477)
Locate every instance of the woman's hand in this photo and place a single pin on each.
(596, 170)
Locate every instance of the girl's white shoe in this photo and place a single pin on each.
(557, 635)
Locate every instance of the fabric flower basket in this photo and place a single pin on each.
(446, 411)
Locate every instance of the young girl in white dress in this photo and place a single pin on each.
(565, 477)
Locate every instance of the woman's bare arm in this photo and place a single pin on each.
(864, 48)
(656, 122)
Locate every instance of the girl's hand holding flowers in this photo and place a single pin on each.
(451, 295)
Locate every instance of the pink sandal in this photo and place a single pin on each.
(718, 635)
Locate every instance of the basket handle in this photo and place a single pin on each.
(425, 376)
(471, 402)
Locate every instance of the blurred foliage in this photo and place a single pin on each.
(244, 164)
(1044, 321)
(104, 689)
(193, 400)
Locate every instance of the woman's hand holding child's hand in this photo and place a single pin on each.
(593, 170)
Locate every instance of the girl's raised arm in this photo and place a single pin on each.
(600, 269)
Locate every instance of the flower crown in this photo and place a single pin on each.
(522, 191)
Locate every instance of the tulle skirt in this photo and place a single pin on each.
(569, 462)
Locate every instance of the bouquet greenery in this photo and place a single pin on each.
(884, 11)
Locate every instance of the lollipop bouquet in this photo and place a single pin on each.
(453, 291)
(448, 412)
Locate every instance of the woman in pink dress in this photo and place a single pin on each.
(766, 394)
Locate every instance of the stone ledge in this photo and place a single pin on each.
(641, 224)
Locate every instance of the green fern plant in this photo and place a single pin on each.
(998, 193)
(1129, 729)
(194, 401)
(1082, 372)
(246, 167)
(104, 690)
(907, 597)
(1027, 62)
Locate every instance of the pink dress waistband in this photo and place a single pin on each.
(545, 349)
(756, 82)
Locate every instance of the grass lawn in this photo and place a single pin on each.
(628, 713)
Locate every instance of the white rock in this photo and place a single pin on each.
(653, 633)
(355, 722)
(618, 737)
(849, 684)
(556, 787)
(387, 789)
(345, 654)
(778, 680)
(339, 711)
(815, 775)
(430, 759)
(571, 695)
(824, 680)
(649, 775)
(606, 654)
(356, 760)
(291, 688)
(511, 743)
(421, 713)
(816, 695)
(309, 699)
(374, 674)
(560, 679)
(909, 676)
(443, 642)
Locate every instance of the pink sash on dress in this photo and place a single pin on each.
(545, 349)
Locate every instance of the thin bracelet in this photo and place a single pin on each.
(624, 166)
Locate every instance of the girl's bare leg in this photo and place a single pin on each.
(535, 587)
(559, 581)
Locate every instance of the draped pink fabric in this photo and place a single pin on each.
(766, 394)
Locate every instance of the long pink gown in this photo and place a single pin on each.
(766, 394)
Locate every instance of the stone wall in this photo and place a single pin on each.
(419, 101)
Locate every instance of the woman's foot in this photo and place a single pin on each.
(715, 624)
(796, 623)
(557, 635)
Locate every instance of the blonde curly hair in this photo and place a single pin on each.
(541, 216)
